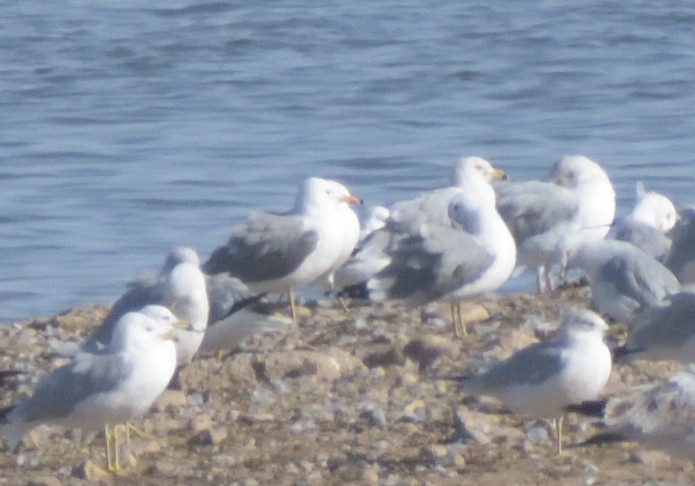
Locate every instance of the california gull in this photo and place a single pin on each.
(543, 379)
(281, 252)
(472, 255)
(579, 196)
(106, 388)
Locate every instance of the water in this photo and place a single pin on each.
(128, 127)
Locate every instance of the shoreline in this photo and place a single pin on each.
(341, 397)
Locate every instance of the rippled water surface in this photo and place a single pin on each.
(130, 127)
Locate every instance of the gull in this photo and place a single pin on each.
(659, 417)
(281, 252)
(106, 388)
(472, 255)
(623, 279)
(682, 257)
(431, 207)
(406, 218)
(180, 287)
(578, 197)
(543, 379)
(663, 332)
(647, 224)
(235, 314)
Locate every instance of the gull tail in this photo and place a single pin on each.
(589, 408)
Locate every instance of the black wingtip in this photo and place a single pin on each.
(589, 408)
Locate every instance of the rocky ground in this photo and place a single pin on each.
(353, 397)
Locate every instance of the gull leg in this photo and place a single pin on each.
(557, 423)
(294, 310)
(112, 457)
(456, 316)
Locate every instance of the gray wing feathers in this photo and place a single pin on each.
(58, 393)
(533, 365)
(430, 265)
(647, 238)
(532, 208)
(640, 277)
(269, 246)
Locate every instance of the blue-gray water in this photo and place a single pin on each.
(130, 127)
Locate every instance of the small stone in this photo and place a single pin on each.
(89, 470)
(415, 411)
(200, 423)
(537, 434)
(170, 399)
(45, 481)
(370, 475)
(649, 458)
(214, 436)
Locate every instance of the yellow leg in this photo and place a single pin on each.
(294, 310)
(112, 456)
(457, 317)
(558, 433)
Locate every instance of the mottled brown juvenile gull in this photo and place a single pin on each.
(281, 252)
(107, 388)
(541, 380)
(658, 417)
(623, 279)
(647, 224)
(663, 332)
(472, 255)
(579, 196)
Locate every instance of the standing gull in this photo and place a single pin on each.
(472, 255)
(623, 279)
(106, 388)
(578, 197)
(543, 379)
(660, 417)
(281, 252)
(647, 224)
(181, 288)
(406, 218)
(663, 332)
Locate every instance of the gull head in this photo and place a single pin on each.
(470, 168)
(577, 320)
(576, 170)
(144, 329)
(654, 209)
(178, 255)
(316, 192)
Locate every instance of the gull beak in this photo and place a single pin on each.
(170, 335)
(350, 199)
(182, 324)
(499, 175)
